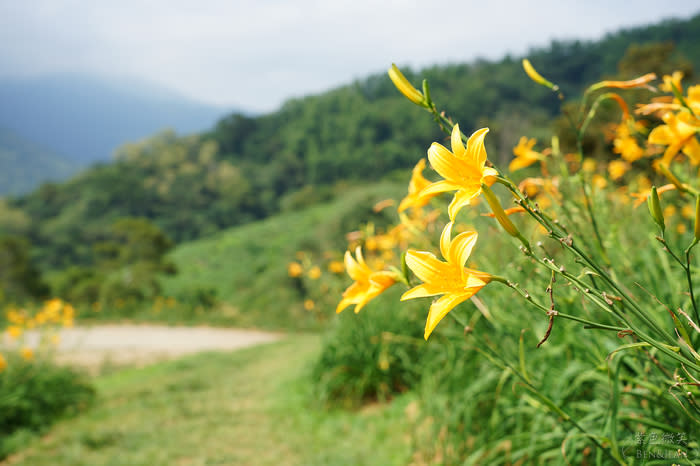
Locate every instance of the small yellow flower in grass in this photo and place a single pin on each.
(309, 305)
(463, 169)
(688, 211)
(599, 182)
(3, 363)
(524, 155)
(27, 353)
(406, 88)
(315, 272)
(415, 186)
(669, 211)
(617, 169)
(294, 269)
(589, 165)
(14, 331)
(368, 283)
(336, 267)
(449, 278)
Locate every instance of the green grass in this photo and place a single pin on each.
(253, 406)
(239, 277)
(247, 266)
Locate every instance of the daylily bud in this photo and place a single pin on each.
(406, 88)
(697, 218)
(498, 211)
(655, 208)
(535, 76)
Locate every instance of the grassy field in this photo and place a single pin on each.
(254, 406)
(244, 270)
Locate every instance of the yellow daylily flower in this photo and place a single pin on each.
(625, 144)
(672, 80)
(678, 133)
(415, 186)
(368, 283)
(524, 155)
(450, 278)
(463, 169)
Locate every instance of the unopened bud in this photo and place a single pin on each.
(655, 208)
(498, 211)
(405, 87)
(535, 76)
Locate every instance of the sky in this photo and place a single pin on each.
(255, 54)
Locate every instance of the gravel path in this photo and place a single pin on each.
(92, 347)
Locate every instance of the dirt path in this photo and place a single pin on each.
(95, 346)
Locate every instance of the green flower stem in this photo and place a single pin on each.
(495, 358)
(690, 280)
(587, 323)
(558, 233)
(594, 223)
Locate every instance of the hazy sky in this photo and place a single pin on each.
(254, 54)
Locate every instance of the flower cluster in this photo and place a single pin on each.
(53, 315)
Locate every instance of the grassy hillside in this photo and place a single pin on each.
(245, 268)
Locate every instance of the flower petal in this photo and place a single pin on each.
(461, 247)
(442, 306)
(437, 188)
(456, 141)
(444, 162)
(425, 265)
(421, 291)
(475, 147)
(445, 240)
(357, 270)
(462, 197)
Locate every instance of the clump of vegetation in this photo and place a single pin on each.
(587, 283)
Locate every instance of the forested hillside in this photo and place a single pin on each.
(247, 168)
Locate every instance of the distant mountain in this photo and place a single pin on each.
(84, 118)
(24, 164)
